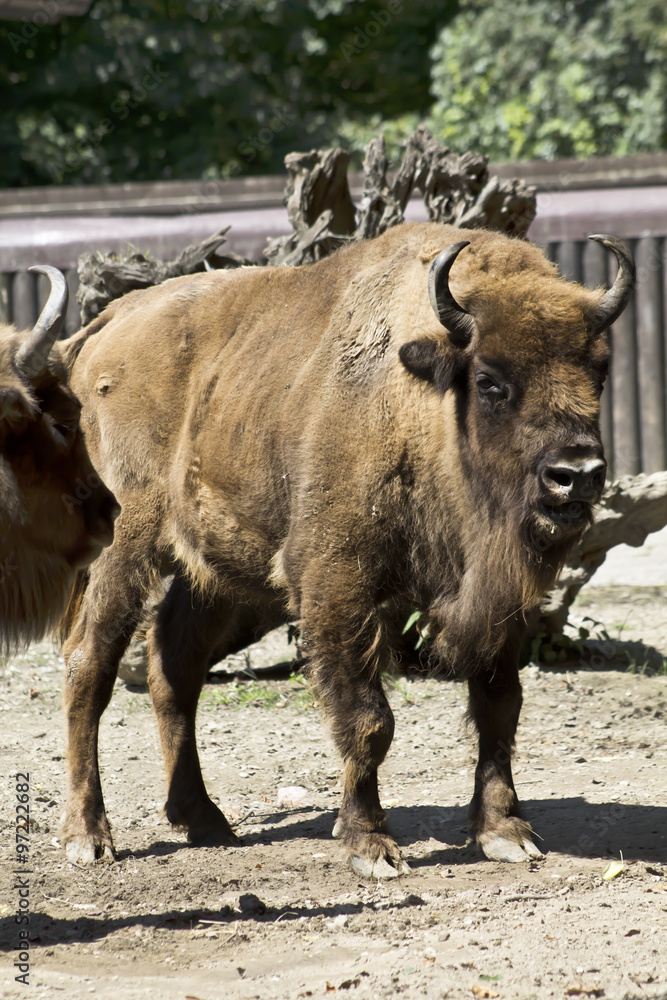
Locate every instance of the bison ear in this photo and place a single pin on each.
(427, 360)
(16, 407)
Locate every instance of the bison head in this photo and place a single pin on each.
(527, 360)
(55, 514)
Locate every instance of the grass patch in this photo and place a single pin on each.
(238, 695)
(409, 689)
(294, 693)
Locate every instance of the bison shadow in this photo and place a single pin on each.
(569, 826)
(47, 931)
(627, 657)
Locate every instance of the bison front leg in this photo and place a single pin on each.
(495, 818)
(347, 679)
(101, 628)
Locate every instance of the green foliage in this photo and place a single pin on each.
(355, 134)
(591, 643)
(213, 88)
(195, 88)
(417, 633)
(521, 79)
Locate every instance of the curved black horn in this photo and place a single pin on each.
(33, 354)
(457, 321)
(613, 302)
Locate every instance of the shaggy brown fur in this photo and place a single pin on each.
(55, 515)
(270, 444)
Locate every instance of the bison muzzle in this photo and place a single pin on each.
(411, 422)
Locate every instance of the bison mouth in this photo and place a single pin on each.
(563, 518)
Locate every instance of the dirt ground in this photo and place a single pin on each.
(282, 916)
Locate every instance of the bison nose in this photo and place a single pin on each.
(108, 509)
(111, 507)
(574, 480)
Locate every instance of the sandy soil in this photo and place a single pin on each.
(281, 916)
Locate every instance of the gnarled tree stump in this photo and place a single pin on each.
(456, 190)
(103, 278)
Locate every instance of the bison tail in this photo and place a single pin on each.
(73, 605)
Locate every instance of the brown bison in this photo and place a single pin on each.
(322, 442)
(55, 515)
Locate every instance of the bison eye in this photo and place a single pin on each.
(67, 429)
(487, 386)
(492, 393)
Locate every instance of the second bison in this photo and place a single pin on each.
(55, 513)
(323, 442)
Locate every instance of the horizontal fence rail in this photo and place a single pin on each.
(634, 401)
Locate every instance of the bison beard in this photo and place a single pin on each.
(44, 539)
(34, 590)
(329, 442)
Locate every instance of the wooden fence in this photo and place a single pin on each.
(23, 294)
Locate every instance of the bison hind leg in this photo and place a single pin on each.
(187, 628)
(103, 616)
(93, 845)
(85, 831)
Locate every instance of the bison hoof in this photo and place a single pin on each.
(381, 868)
(204, 823)
(372, 855)
(498, 848)
(219, 835)
(87, 851)
(206, 826)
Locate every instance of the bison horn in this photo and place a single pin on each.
(33, 354)
(456, 320)
(613, 302)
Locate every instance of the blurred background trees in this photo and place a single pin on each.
(193, 88)
(236, 84)
(541, 79)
